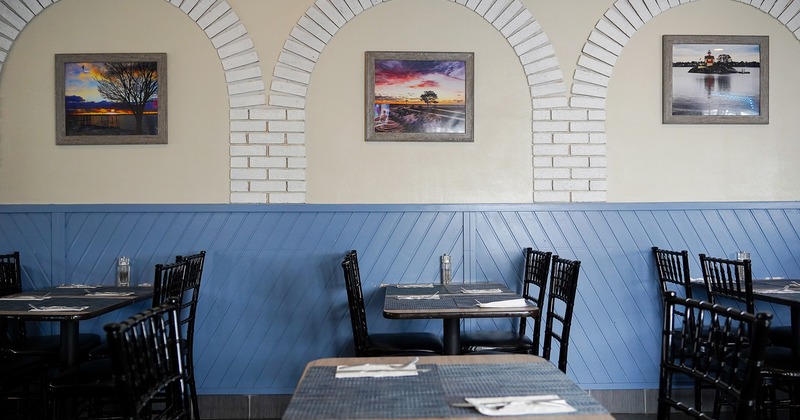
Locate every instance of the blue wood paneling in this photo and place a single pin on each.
(273, 296)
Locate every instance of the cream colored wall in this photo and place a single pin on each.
(343, 168)
(647, 161)
(650, 161)
(192, 168)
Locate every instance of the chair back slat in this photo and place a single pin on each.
(728, 281)
(10, 274)
(672, 268)
(560, 305)
(355, 300)
(534, 289)
(712, 346)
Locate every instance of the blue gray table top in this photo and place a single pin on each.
(430, 394)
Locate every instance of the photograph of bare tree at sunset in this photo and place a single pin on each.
(419, 96)
(111, 98)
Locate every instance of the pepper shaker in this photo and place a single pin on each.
(123, 272)
(445, 269)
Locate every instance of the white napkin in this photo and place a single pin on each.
(418, 297)
(376, 371)
(58, 308)
(76, 286)
(110, 294)
(412, 286)
(511, 303)
(481, 291)
(515, 406)
(782, 290)
(25, 297)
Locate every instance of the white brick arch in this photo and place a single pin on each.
(605, 44)
(559, 174)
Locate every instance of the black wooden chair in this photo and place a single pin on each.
(88, 388)
(560, 304)
(15, 339)
(385, 344)
(727, 356)
(188, 312)
(730, 282)
(534, 289)
(673, 274)
(148, 368)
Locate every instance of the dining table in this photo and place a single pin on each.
(509, 386)
(782, 292)
(453, 302)
(69, 304)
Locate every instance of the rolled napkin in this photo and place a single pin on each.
(511, 303)
(25, 297)
(517, 406)
(412, 286)
(109, 294)
(418, 297)
(57, 308)
(369, 370)
(481, 291)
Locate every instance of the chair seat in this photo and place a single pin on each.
(404, 344)
(781, 336)
(780, 361)
(501, 341)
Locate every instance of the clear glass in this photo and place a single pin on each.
(124, 272)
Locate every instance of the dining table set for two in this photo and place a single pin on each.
(418, 375)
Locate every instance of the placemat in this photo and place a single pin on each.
(455, 288)
(402, 291)
(444, 302)
(513, 379)
(322, 396)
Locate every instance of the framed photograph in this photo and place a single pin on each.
(419, 96)
(715, 79)
(111, 98)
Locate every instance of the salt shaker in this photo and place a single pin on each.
(445, 269)
(123, 272)
(741, 256)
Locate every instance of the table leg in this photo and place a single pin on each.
(69, 341)
(795, 320)
(452, 336)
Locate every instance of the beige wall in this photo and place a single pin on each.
(192, 168)
(648, 161)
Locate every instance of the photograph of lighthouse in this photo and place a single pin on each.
(710, 79)
(111, 98)
(419, 96)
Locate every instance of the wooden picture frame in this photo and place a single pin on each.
(95, 104)
(715, 79)
(419, 96)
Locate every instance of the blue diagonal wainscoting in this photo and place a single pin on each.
(273, 296)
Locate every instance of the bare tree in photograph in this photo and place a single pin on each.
(130, 84)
